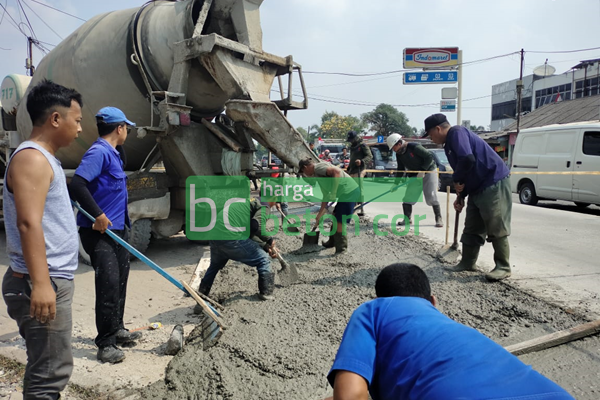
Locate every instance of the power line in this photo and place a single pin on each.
(60, 11)
(40, 18)
(26, 18)
(404, 70)
(562, 52)
(16, 24)
(3, 12)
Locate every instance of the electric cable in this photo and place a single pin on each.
(562, 51)
(40, 18)
(27, 19)
(60, 11)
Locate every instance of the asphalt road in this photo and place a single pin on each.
(554, 248)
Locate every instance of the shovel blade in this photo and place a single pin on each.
(288, 274)
(448, 254)
(310, 239)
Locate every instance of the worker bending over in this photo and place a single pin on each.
(480, 174)
(414, 157)
(399, 346)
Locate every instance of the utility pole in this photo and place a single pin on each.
(459, 105)
(519, 101)
(29, 61)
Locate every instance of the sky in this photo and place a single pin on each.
(362, 37)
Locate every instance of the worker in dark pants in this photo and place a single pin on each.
(360, 157)
(338, 186)
(256, 251)
(414, 157)
(481, 175)
(100, 186)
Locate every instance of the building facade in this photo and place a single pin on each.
(582, 80)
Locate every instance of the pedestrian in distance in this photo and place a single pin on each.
(100, 187)
(399, 346)
(339, 186)
(360, 157)
(41, 240)
(481, 175)
(415, 157)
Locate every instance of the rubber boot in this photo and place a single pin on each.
(341, 243)
(501, 258)
(439, 222)
(469, 258)
(330, 242)
(266, 285)
(205, 290)
(407, 209)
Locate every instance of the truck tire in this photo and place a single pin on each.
(139, 236)
(581, 205)
(527, 194)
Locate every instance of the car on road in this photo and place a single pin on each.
(274, 159)
(443, 165)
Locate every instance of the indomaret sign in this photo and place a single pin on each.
(430, 57)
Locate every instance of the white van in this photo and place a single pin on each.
(564, 148)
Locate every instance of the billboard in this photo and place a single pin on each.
(430, 57)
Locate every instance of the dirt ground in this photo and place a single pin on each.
(284, 348)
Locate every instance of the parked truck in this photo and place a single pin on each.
(195, 79)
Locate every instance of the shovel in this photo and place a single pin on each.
(288, 273)
(449, 253)
(313, 237)
(289, 228)
(212, 324)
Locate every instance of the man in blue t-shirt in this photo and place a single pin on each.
(480, 174)
(100, 186)
(399, 346)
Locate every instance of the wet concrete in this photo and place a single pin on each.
(284, 348)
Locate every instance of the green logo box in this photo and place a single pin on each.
(383, 190)
(217, 208)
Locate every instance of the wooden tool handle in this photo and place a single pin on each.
(447, 213)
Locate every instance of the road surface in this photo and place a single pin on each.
(554, 248)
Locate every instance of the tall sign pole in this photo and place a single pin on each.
(519, 104)
(459, 105)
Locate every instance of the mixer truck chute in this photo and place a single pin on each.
(193, 76)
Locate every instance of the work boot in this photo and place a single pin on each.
(266, 285)
(407, 209)
(330, 242)
(341, 243)
(124, 336)
(205, 290)
(110, 354)
(501, 256)
(468, 260)
(439, 222)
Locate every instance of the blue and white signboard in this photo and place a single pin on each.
(448, 105)
(415, 78)
(379, 139)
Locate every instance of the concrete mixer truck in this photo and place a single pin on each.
(194, 77)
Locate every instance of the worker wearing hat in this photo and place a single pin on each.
(360, 157)
(100, 186)
(481, 175)
(415, 157)
(344, 189)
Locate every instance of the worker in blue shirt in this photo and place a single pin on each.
(100, 186)
(399, 346)
(481, 175)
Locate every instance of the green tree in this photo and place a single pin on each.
(386, 119)
(476, 128)
(335, 126)
(302, 132)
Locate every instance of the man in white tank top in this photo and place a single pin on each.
(42, 242)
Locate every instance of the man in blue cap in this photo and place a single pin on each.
(100, 187)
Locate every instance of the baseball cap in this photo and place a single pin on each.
(432, 121)
(303, 163)
(112, 115)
